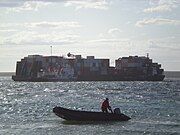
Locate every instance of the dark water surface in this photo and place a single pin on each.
(26, 108)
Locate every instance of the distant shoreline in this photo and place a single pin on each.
(7, 73)
(168, 74)
(172, 74)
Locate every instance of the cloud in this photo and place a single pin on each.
(39, 33)
(169, 42)
(110, 33)
(95, 4)
(32, 5)
(43, 24)
(171, 2)
(109, 40)
(10, 4)
(7, 30)
(160, 8)
(29, 5)
(24, 5)
(36, 38)
(163, 44)
(57, 25)
(157, 21)
(114, 31)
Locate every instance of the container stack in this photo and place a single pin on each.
(76, 68)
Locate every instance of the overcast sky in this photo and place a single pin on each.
(103, 28)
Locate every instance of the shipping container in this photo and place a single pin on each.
(59, 68)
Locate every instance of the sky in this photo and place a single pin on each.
(101, 28)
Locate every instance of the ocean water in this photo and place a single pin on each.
(26, 107)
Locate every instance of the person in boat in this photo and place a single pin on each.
(105, 106)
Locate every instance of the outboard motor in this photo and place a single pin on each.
(117, 111)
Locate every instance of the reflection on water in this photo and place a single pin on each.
(26, 108)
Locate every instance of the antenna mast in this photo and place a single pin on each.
(51, 50)
(51, 55)
(147, 55)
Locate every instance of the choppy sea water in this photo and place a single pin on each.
(26, 107)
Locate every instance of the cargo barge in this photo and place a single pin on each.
(38, 68)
